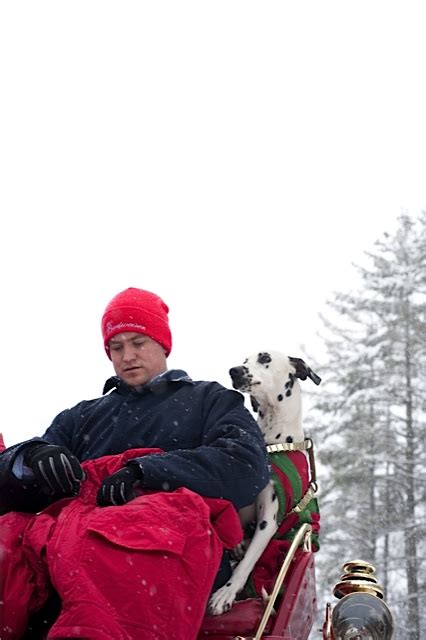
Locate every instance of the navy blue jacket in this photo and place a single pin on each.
(211, 442)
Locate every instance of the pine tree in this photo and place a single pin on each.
(372, 407)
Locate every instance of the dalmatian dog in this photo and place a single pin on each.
(272, 381)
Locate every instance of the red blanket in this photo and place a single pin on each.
(141, 570)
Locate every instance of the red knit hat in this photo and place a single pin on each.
(139, 311)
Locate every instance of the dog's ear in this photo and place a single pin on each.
(303, 371)
(254, 403)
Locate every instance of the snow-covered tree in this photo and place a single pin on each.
(372, 414)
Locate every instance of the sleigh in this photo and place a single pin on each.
(288, 613)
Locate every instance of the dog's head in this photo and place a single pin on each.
(269, 376)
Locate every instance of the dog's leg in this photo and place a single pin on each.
(266, 514)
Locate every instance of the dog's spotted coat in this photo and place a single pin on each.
(272, 380)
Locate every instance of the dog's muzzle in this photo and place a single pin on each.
(241, 377)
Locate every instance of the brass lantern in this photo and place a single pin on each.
(361, 613)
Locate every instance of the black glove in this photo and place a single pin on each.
(120, 487)
(56, 469)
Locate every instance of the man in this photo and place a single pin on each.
(173, 445)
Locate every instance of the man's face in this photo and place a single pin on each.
(136, 358)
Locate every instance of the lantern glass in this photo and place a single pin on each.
(362, 616)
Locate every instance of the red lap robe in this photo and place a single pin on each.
(141, 570)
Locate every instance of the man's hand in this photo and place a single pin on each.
(120, 487)
(56, 469)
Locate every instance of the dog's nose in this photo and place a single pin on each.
(236, 372)
(239, 377)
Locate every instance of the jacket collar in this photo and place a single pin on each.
(155, 384)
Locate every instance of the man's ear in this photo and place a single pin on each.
(303, 371)
(254, 404)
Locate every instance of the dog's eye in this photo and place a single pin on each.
(264, 358)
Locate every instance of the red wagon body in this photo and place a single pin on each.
(292, 620)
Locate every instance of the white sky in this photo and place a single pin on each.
(234, 157)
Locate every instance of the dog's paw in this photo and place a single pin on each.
(222, 599)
